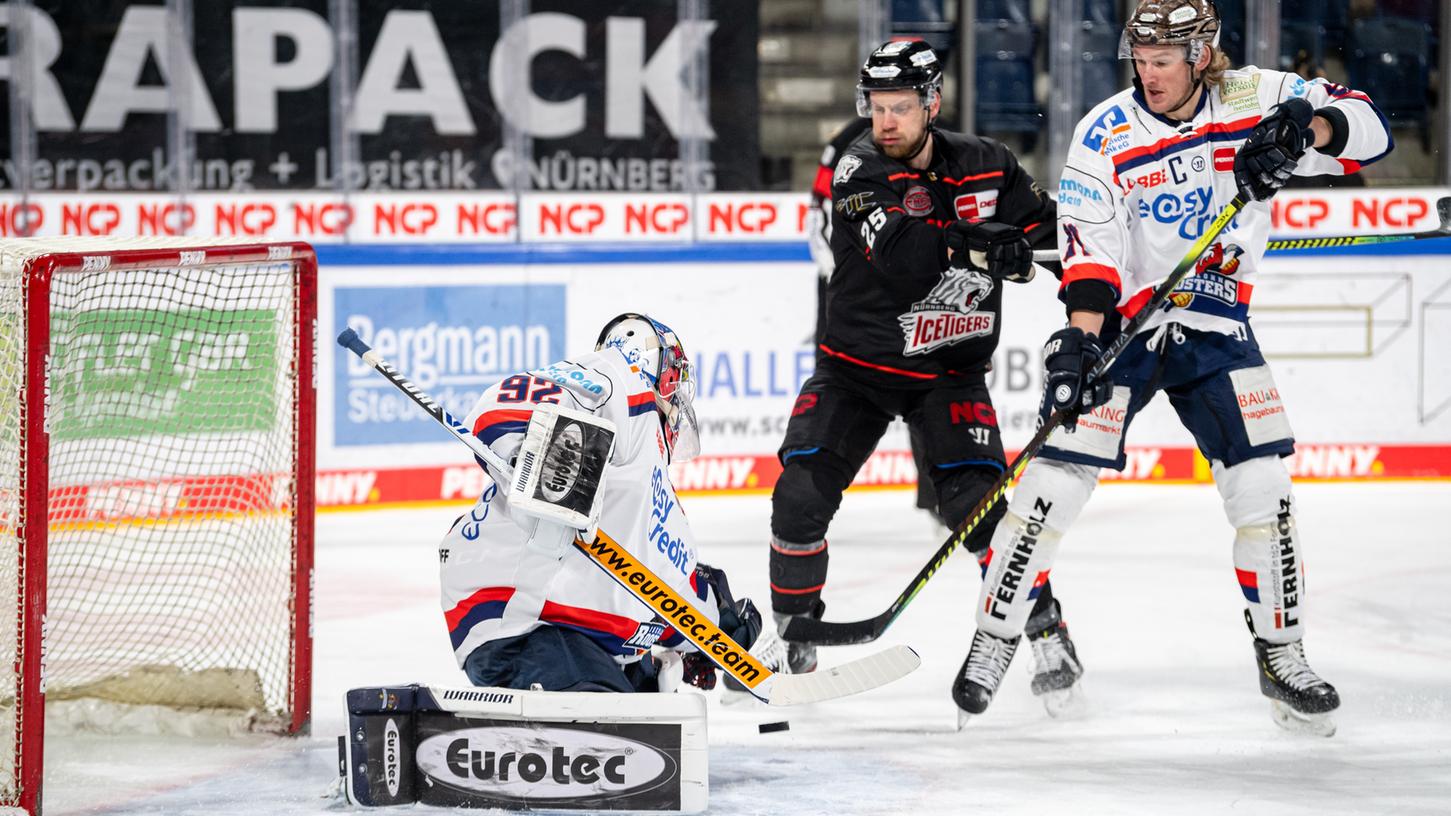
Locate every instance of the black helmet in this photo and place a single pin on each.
(897, 66)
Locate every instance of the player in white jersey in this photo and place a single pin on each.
(523, 610)
(1146, 172)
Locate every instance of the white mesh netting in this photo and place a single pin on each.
(172, 488)
(12, 387)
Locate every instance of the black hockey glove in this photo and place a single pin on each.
(1272, 151)
(1069, 356)
(698, 670)
(1000, 250)
(741, 621)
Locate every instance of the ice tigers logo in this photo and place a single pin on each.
(845, 168)
(949, 313)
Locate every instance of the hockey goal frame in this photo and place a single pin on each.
(31, 529)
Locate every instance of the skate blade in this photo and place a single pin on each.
(962, 719)
(1319, 725)
(1066, 704)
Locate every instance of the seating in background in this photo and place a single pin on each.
(1015, 10)
(1231, 37)
(1302, 42)
(1102, 11)
(1099, 41)
(1388, 58)
(1005, 97)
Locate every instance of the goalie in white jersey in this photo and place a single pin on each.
(1146, 172)
(522, 608)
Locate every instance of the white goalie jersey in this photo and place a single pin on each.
(1138, 189)
(495, 584)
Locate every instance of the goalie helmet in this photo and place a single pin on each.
(1193, 24)
(900, 65)
(656, 351)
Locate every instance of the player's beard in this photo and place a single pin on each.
(904, 151)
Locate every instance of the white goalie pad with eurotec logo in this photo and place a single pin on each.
(525, 750)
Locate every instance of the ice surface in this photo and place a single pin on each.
(1176, 722)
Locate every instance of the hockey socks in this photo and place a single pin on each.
(798, 572)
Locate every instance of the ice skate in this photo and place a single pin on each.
(977, 681)
(800, 657)
(1299, 700)
(1056, 671)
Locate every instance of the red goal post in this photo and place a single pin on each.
(157, 408)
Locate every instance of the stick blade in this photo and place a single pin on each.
(805, 629)
(865, 674)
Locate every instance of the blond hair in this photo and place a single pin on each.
(1214, 73)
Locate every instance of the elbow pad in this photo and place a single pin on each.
(1089, 296)
(1339, 130)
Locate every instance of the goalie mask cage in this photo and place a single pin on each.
(156, 483)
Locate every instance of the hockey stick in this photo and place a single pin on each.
(637, 579)
(802, 629)
(1443, 211)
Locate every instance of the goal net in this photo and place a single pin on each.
(156, 478)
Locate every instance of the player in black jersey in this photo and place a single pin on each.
(818, 236)
(926, 225)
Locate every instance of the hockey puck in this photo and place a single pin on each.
(766, 728)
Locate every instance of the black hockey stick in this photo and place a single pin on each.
(1443, 211)
(803, 629)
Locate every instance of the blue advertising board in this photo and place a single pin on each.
(454, 341)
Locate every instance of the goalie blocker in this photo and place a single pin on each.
(525, 750)
(561, 466)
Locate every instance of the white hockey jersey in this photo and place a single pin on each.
(495, 585)
(1137, 189)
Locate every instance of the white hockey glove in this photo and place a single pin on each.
(560, 473)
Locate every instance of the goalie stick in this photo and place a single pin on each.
(771, 687)
(1443, 212)
(802, 629)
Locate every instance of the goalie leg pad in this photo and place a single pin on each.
(1267, 561)
(525, 750)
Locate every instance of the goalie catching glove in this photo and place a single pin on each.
(560, 471)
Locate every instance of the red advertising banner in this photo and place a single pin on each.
(492, 216)
(745, 474)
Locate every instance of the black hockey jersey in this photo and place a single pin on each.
(893, 307)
